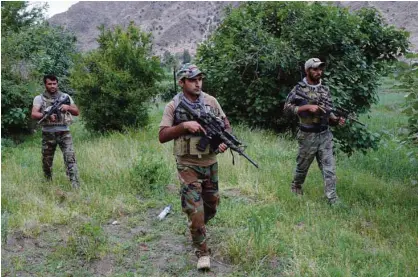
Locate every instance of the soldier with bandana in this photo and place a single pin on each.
(55, 129)
(314, 136)
(197, 170)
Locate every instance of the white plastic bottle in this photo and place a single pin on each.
(164, 212)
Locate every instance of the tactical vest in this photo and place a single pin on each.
(186, 145)
(307, 118)
(48, 101)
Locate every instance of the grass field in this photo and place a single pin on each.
(108, 228)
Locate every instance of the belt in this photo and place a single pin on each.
(313, 129)
(57, 133)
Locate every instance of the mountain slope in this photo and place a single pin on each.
(182, 25)
(175, 25)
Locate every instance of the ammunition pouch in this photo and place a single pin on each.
(203, 143)
(190, 145)
(68, 118)
(63, 118)
(316, 120)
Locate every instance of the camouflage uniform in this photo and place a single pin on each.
(199, 200)
(65, 142)
(197, 170)
(54, 133)
(314, 138)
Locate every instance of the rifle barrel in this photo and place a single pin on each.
(248, 158)
(355, 120)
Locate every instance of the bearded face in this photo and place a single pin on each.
(314, 74)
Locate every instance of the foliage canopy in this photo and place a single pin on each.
(186, 56)
(256, 55)
(16, 15)
(116, 80)
(407, 74)
(170, 61)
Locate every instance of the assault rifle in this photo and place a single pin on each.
(326, 106)
(54, 109)
(215, 133)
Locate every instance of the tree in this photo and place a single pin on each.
(407, 74)
(115, 81)
(186, 56)
(257, 52)
(16, 15)
(30, 48)
(170, 61)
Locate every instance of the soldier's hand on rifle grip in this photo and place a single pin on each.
(193, 127)
(222, 147)
(341, 121)
(64, 108)
(53, 117)
(314, 108)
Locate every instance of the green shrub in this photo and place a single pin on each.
(116, 81)
(170, 61)
(150, 176)
(167, 88)
(407, 74)
(257, 52)
(88, 241)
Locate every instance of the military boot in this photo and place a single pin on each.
(75, 184)
(296, 189)
(336, 203)
(48, 177)
(203, 263)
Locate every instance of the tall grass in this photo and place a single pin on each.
(260, 225)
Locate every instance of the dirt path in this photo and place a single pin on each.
(136, 245)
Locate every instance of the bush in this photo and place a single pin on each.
(170, 61)
(116, 81)
(257, 52)
(408, 76)
(150, 176)
(186, 56)
(167, 89)
(88, 241)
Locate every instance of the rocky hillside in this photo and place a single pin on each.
(402, 14)
(182, 25)
(175, 25)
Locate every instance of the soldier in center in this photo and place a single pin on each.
(197, 170)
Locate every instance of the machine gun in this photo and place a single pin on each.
(215, 133)
(326, 106)
(54, 109)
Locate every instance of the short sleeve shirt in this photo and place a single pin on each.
(168, 121)
(37, 102)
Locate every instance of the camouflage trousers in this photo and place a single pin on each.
(199, 200)
(317, 145)
(65, 142)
